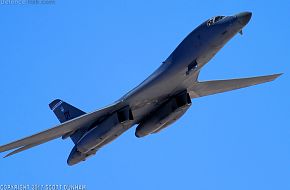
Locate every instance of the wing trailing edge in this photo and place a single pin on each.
(207, 88)
(24, 148)
(58, 131)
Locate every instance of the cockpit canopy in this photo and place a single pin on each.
(214, 20)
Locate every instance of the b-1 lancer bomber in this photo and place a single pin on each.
(153, 105)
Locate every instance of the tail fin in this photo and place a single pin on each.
(65, 112)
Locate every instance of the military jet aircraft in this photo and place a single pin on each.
(153, 105)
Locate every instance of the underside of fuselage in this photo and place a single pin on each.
(180, 71)
(177, 74)
(154, 104)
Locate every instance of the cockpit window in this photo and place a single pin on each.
(214, 20)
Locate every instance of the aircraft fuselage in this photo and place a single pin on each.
(178, 73)
(153, 105)
(174, 75)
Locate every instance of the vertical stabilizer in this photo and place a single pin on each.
(65, 112)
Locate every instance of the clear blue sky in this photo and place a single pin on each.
(90, 53)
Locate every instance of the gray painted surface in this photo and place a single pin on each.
(156, 103)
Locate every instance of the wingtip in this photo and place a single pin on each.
(275, 76)
(270, 78)
(279, 74)
(6, 155)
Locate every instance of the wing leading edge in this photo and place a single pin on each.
(218, 86)
(58, 131)
(199, 89)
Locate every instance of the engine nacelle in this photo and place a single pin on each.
(108, 127)
(76, 157)
(165, 115)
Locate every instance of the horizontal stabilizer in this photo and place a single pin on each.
(58, 131)
(213, 87)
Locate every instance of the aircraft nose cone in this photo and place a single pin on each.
(244, 17)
